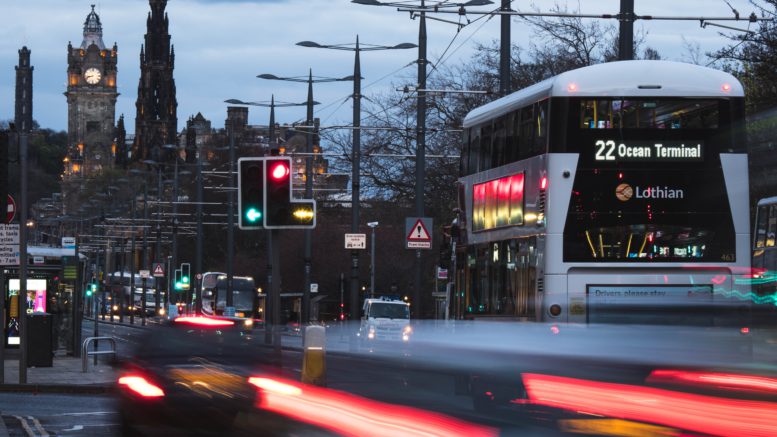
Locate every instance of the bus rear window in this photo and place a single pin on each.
(649, 114)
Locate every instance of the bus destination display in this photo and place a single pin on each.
(647, 151)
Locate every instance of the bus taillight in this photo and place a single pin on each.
(544, 183)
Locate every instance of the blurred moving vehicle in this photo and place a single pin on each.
(210, 376)
(190, 375)
(385, 319)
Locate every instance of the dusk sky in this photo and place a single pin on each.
(221, 45)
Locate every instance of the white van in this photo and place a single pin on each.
(385, 319)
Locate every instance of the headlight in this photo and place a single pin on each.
(371, 333)
(248, 323)
(408, 330)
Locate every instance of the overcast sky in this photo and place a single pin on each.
(221, 45)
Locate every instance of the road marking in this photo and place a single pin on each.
(39, 427)
(26, 426)
(74, 428)
(86, 413)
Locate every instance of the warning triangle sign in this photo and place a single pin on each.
(419, 232)
(159, 270)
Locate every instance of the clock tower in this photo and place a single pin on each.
(91, 102)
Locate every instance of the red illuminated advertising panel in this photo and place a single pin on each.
(498, 203)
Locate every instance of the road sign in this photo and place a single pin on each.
(159, 270)
(355, 241)
(9, 245)
(417, 231)
(145, 274)
(11, 210)
(442, 273)
(314, 287)
(69, 245)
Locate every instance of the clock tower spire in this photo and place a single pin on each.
(91, 101)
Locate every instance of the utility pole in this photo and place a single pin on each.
(194, 282)
(504, 51)
(420, 160)
(626, 36)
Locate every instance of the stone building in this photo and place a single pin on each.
(91, 102)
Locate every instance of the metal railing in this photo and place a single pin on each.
(85, 354)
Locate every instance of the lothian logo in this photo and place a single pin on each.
(624, 192)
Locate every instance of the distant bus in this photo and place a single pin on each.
(615, 193)
(245, 297)
(121, 281)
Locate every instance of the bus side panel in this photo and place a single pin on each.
(561, 177)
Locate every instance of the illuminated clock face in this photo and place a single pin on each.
(92, 76)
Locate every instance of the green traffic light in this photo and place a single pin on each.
(253, 215)
(178, 285)
(185, 280)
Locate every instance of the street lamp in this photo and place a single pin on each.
(307, 255)
(373, 225)
(420, 155)
(356, 152)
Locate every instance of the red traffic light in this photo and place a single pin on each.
(279, 171)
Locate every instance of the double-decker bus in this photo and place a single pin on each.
(612, 193)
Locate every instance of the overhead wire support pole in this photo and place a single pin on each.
(420, 164)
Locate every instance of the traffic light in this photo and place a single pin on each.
(178, 284)
(250, 201)
(91, 289)
(281, 211)
(186, 269)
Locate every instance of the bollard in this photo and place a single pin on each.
(314, 356)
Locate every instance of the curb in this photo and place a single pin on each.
(57, 388)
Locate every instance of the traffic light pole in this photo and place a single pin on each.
(231, 216)
(275, 292)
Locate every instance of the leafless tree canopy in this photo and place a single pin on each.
(388, 166)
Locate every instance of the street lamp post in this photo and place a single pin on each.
(356, 152)
(420, 157)
(158, 249)
(307, 254)
(373, 225)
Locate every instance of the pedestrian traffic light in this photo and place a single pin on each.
(250, 201)
(281, 210)
(186, 269)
